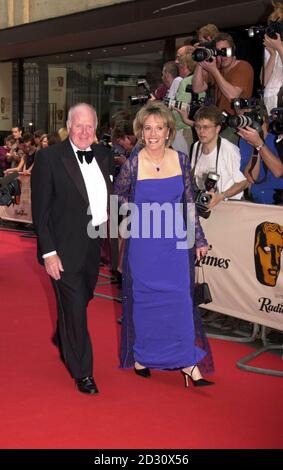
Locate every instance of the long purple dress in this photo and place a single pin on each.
(161, 325)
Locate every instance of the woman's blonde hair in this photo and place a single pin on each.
(63, 133)
(155, 108)
(208, 31)
(277, 13)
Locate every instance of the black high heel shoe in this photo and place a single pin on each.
(145, 372)
(197, 383)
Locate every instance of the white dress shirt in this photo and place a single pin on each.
(96, 191)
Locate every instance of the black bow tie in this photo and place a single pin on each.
(88, 154)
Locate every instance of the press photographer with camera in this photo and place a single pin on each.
(232, 77)
(215, 161)
(171, 79)
(7, 153)
(184, 135)
(269, 151)
(262, 163)
(123, 141)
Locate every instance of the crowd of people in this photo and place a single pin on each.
(159, 158)
(19, 149)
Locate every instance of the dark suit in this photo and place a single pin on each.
(59, 206)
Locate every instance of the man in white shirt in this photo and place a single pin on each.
(217, 155)
(70, 185)
(170, 78)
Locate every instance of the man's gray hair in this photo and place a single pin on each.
(80, 105)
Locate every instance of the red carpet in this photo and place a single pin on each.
(40, 407)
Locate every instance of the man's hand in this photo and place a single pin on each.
(185, 118)
(209, 66)
(215, 199)
(119, 159)
(53, 266)
(272, 45)
(251, 136)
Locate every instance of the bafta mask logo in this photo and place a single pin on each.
(267, 252)
(60, 81)
(3, 104)
(60, 114)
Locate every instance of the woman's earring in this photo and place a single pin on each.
(142, 138)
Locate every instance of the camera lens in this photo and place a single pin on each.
(205, 198)
(238, 122)
(201, 54)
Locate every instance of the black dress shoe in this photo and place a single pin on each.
(145, 372)
(87, 385)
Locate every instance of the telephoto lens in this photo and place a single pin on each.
(238, 122)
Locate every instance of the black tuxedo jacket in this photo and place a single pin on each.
(60, 203)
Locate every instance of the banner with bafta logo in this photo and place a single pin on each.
(21, 211)
(244, 265)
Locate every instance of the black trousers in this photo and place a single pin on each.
(73, 293)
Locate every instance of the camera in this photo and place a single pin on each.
(141, 99)
(243, 103)
(10, 189)
(207, 53)
(191, 108)
(106, 140)
(271, 30)
(252, 119)
(276, 123)
(202, 199)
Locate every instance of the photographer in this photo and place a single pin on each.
(171, 79)
(267, 154)
(184, 135)
(215, 155)
(123, 142)
(7, 153)
(273, 66)
(232, 78)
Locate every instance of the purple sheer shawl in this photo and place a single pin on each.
(125, 189)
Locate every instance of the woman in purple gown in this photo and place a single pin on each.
(161, 327)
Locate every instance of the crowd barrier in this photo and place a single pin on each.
(19, 212)
(243, 265)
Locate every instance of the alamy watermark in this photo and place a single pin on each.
(148, 220)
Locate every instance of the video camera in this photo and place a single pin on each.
(276, 123)
(202, 199)
(271, 30)
(207, 53)
(141, 99)
(10, 189)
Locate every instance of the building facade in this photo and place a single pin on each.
(54, 54)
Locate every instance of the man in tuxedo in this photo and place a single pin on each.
(69, 181)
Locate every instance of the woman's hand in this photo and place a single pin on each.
(201, 252)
